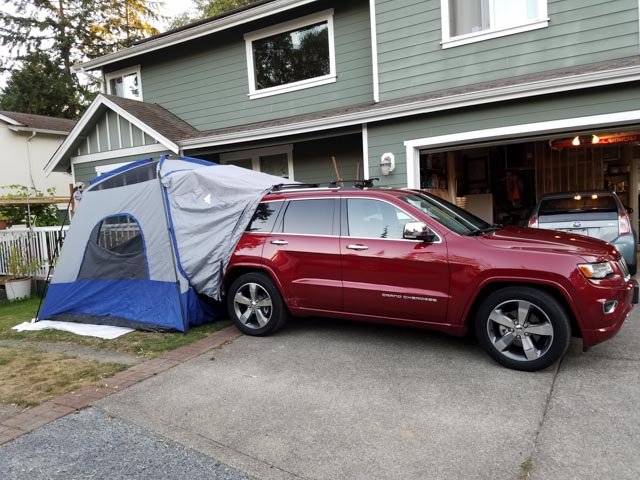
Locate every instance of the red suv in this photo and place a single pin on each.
(408, 258)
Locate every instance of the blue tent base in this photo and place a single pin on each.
(140, 304)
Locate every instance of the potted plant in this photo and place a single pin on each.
(21, 270)
(4, 221)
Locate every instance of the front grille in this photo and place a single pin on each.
(622, 265)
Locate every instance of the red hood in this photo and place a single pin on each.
(537, 239)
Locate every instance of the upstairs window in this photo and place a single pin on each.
(467, 21)
(125, 83)
(291, 56)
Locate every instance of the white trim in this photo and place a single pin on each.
(107, 168)
(503, 133)
(377, 114)
(61, 133)
(121, 73)
(10, 121)
(365, 150)
(119, 131)
(98, 136)
(324, 16)
(197, 31)
(638, 24)
(374, 50)
(124, 152)
(88, 116)
(108, 131)
(448, 41)
(255, 154)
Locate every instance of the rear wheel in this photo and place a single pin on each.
(523, 328)
(255, 305)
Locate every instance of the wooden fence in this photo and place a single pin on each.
(38, 243)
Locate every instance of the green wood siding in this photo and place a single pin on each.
(105, 135)
(207, 85)
(412, 60)
(312, 160)
(390, 136)
(84, 172)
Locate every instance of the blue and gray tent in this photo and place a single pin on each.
(150, 242)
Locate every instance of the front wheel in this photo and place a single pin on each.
(255, 305)
(523, 328)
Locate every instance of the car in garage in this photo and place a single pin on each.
(598, 214)
(405, 257)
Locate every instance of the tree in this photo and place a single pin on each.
(72, 31)
(208, 8)
(40, 215)
(40, 87)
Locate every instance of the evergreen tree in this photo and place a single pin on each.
(40, 87)
(209, 8)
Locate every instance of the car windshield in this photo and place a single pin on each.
(578, 204)
(452, 217)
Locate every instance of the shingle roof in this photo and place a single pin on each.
(41, 122)
(158, 118)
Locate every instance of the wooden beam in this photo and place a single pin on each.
(33, 201)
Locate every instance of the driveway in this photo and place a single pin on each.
(325, 399)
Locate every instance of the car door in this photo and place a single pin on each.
(304, 251)
(385, 275)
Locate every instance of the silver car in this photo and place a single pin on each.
(598, 214)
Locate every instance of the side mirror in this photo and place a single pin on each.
(629, 210)
(418, 231)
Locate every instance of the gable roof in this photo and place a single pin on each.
(205, 27)
(39, 123)
(152, 119)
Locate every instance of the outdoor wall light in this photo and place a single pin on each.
(387, 163)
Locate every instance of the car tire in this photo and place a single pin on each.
(633, 269)
(523, 328)
(255, 305)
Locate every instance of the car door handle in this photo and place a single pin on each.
(279, 242)
(357, 247)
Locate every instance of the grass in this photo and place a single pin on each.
(525, 469)
(146, 344)
(29, 377)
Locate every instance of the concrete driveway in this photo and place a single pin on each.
(335, 400)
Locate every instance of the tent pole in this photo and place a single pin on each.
(54, 256)
(165, 199)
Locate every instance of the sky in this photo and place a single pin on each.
(167, 8)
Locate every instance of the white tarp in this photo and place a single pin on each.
(100, 331)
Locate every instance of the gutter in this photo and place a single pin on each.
(377, 113)
(197, 31)
(38, 130)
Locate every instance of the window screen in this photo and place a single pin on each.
(139, 174)
(265, 217)
(310, 217)
(115, 250)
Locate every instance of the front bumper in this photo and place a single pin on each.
(601, 326)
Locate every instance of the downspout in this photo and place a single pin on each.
(33, 184)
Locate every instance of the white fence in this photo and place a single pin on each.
(38, 243)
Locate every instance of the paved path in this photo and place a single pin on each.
(336, 400)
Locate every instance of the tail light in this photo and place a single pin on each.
(624, 225)
(533, 222)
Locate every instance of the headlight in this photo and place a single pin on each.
(596, 271)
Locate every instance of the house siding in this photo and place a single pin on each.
(412, 61)
(105, 135)
(209, 88)
(390, 136)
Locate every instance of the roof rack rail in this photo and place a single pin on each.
(357, 183)
(287, 186)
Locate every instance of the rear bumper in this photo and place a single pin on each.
(626, 245)
(601, 326)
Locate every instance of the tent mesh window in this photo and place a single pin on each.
(115, 250)
(140, 174)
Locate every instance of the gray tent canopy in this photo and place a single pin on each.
(150, 240)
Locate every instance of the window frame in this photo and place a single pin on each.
(255, 155)
(449, 41)
(331, 77)
(121, 73)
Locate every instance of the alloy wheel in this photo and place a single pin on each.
(253, 305)
(520, 330)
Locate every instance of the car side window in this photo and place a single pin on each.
(368, 218)
(265, 217)
(309, 217)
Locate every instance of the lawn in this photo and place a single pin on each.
(145, 344)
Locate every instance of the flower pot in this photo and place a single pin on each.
(3, 224)
(17, 289)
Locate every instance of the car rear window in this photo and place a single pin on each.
(578, 204)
